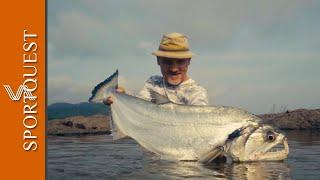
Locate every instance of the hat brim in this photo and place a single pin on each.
(174, 54)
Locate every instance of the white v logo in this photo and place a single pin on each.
(17, 96)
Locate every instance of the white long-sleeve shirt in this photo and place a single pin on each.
(188, 92)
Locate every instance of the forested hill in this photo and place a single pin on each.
(63, 110)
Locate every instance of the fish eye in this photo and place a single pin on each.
(270, 136)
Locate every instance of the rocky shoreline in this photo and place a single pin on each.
(79, 125)
(300, 119)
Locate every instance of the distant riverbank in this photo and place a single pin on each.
(300, 119)
(80, 125)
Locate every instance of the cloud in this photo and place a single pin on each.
(64, 89)
(146, 45)
(260, 98)
(114, 28)
(75, 33)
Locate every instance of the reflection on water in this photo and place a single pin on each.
(271, 170)
(194, 170)
(97, 157)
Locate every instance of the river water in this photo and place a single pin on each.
(97, 157)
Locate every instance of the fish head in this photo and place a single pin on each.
(261, 144)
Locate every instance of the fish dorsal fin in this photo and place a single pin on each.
(159, 98)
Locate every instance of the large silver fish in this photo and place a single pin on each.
(184, 132)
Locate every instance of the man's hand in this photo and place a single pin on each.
(109, 100)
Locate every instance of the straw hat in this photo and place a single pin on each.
(174, 45)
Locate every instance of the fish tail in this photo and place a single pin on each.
(104, 88)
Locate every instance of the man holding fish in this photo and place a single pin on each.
(172, 129)
(173, 57)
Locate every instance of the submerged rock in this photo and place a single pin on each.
(81, 126)
(68, 123)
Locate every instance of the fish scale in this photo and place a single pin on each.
(177, 132)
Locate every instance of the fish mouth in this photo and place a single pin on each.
(278, 152)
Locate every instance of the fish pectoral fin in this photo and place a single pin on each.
(211, 155)
(158, 98)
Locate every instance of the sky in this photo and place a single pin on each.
(263, 56)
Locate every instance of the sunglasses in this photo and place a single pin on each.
(177, 62)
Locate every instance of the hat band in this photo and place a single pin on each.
(169, 50)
